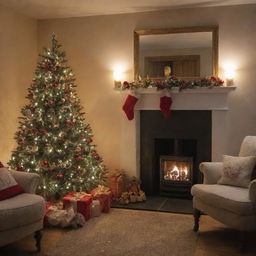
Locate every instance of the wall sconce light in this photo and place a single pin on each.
(229, 73)
(118, 75)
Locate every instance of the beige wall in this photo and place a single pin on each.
(95, 44)
(18, 51)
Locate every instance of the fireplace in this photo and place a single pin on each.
(171, 150)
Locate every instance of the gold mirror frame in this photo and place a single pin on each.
(215, 42)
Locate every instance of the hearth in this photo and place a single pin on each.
(171, 150)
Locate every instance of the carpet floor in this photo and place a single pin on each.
(130, 233)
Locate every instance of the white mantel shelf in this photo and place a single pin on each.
(223, 89)
(215, 98)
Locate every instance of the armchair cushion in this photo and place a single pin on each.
(8, 185)
(230, 198)
(237, 171)
(21, 210)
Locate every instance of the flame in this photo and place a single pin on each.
(176, 173)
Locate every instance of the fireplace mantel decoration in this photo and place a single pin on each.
(172, 82)
(168, 85)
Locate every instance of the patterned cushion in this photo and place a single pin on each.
(8, 185)
(237, 171)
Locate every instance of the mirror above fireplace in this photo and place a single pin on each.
(187, 53)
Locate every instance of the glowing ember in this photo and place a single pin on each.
(177, 173)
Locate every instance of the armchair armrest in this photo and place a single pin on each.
(212, 171)
(252, 190)
(28, 181)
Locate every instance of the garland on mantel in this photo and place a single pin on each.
(173, 82)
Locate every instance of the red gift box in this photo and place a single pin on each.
(48, 209)
(80, 201)
(103, 194)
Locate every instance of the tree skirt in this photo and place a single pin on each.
(130, 233)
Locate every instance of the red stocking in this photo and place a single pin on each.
(128, 106)
(165, 104)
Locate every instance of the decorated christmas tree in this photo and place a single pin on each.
(52, 139)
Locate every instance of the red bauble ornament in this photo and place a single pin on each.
(43, 131)
(78, 170)
(30, 95)
(43, 163)
(59, 175)
(51, 102)
(89, 140)
(35, 131)
(79, 158)
(19, 169)
(70, 123)
(20, 140)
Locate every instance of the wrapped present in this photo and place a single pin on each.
(80, 201)
(48, 208)
(103, 194)
(56, 216)
(96, 208)
(116, 183)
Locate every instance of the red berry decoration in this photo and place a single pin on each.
(59, 175)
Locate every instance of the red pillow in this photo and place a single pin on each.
(8, 185)
(1, 165)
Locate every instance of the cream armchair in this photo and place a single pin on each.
(23, 214)
(233, 206)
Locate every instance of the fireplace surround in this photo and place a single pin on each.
(214, 100)
(183, 139)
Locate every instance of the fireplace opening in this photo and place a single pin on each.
(175, 166)
(176, 169)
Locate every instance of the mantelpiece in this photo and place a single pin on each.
(214, 99)
(188, 99)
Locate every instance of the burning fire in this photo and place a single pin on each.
(179, 174)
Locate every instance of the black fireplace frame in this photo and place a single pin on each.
(195, 125)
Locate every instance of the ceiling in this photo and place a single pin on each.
(48, 9)
(181, 40)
